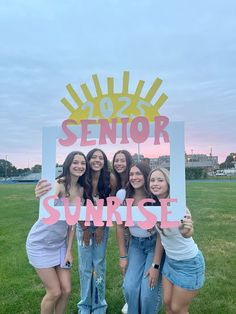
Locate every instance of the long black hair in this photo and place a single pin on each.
(65, 176)
(129, 162)
(144, 169)
(104, 177)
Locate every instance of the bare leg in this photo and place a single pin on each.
(167, 287)
(53, 291)
(65, 284)
(181, 299)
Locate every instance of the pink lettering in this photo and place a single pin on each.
(151, 218)
(85, 132)
(94, 214)
(112, 204)
(137, 135)
(107, 130)
(129, 221)
(161, 123)
(164, 213)
(72, 219)
(54, 214)
(71, 137)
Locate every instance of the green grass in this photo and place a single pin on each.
(213, 209)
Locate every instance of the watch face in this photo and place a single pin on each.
(156, 266)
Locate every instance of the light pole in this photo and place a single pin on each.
(5, 167)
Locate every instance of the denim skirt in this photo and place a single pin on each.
(188, 274)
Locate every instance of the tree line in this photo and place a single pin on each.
(7, 169)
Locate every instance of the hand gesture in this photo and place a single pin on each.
(123, 265)
(186, 226)
(68, 258)
(42, 187)
(98, 235)
(152, 275)
(87, 236)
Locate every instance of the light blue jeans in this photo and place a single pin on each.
(92, 272)
(140, 298)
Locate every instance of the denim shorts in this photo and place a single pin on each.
(188, 274)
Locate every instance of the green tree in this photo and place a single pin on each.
(36, 169)
(229, 161)
(6, 168)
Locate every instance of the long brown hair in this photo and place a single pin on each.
(129, 162)
(65, 176)
(144, 169)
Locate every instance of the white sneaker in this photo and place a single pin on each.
(125, 309)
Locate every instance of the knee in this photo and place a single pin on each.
(175, 308)
(66, 291)
(130, 288)
(54, 294)
(167, 303)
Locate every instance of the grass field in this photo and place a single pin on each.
(213, 207)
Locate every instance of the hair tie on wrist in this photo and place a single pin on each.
(125, 256)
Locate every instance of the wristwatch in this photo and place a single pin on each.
(156, 266)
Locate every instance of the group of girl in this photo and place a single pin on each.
(152, 261)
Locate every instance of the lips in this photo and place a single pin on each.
(120, 168)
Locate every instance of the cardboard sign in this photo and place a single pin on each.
(110, 119)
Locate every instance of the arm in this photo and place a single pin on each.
(70, 240)
(123, 260)
(113, 184)
(152, 272)
(86, 237)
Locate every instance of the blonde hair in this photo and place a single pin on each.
(166, 175)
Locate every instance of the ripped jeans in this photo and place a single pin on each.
(92, 272)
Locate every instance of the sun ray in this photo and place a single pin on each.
(158, 104)
(113, 104)
(97, 85)
(68, 105)
(125, 89)
(110, 85)
(150, 94)
(86, 92)
(139, 88)
(74, 95)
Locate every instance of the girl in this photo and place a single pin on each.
(183, 270)
(142, 284)
(49, 247)
(92, 241)
(121, 163)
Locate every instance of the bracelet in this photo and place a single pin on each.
(125, 256)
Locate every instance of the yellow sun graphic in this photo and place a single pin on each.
(114, 105)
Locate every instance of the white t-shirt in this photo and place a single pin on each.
(176, 246)
(136, 231)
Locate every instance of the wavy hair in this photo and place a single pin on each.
(129, 162)
(144, 169)
(103, 186)
(65, 176)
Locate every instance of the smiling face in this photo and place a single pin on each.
(158, 184)
(136, 178)
(97, 161)
(120, 164)
(78, 166)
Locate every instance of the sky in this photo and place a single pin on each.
(190, 45)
